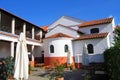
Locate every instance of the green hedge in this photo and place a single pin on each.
(112, 61)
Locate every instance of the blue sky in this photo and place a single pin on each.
(45, 12)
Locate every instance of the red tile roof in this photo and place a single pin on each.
(45, 28)
(96, 22)
(92, 36)
(59, 35)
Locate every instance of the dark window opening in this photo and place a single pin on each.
(51, 49)
(95, 30)
(66, 48)
(90, 48)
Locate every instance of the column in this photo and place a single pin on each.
(24, 29)
(32, 56)
(12, 49)
(40, 35)
(33, 33)
(13, 26)
(0, 19)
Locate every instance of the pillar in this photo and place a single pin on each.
(24, 29)
(12, 49)
(33, 33)
(13, 26)
(32, 57)
(40, 35)
(0, 19)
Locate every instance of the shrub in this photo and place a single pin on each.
(7, 67)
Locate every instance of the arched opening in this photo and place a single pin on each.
(51, 49)
(90, 48)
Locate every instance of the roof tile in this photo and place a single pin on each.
(59, 35)
(45, 28)
(92, 36)
(96, 22)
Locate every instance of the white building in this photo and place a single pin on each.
(10, 28)
(73, 34)
(86, 41)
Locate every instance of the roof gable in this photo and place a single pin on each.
(67, 21)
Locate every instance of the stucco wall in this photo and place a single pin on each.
(100, 45)
(102, 28)
(4, 49)
(59, 44)
(37, 51)
(66, 21)
(60, 29)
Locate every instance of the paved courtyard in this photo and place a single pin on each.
(41, 74)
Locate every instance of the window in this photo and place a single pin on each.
(66, 48)
(51, 49)
(90, 48)
(95, 30)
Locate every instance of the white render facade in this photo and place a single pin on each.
(97, 33)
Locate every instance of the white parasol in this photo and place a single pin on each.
(84, 55)
(21, 59)
(69, 58)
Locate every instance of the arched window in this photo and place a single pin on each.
(90, 48)
(66, 48)
(51, 49)
(94, 30)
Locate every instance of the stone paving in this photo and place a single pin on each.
(41, 74)
(35, 75)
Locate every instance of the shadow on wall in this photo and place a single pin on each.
(96, 58)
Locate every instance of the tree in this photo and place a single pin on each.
(112, 58)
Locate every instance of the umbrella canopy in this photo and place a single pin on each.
(69, 58)
(21, 59)
(85, 55)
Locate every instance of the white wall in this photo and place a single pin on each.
(66, 21)
(102, 28)
(4, 49)
(100, 45)
(61, 29)
(37, 51)
(59, 44)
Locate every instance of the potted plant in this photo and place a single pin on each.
(30, 69)
(7, 68)
(72, 67)
(59, 70)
